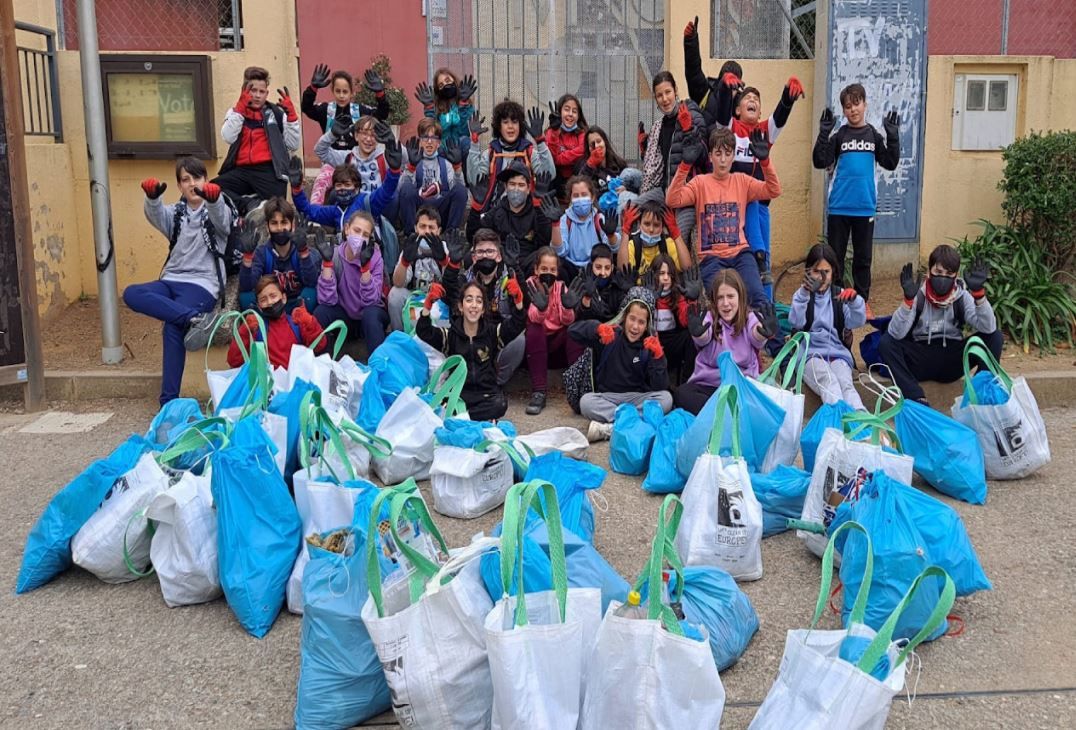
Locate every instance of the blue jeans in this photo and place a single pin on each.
(309, 295)
(746, 266)
(371, 322)
(756, 228)
(451, 204)
(174, 303)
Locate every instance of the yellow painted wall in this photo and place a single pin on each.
(960, 187)
(58, 175)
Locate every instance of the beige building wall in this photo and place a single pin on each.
(58, 174)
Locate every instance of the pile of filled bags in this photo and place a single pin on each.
(268, 499)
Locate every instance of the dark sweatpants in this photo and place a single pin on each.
(911, 361)
(257, 180)
(693, 396)
(861, 229)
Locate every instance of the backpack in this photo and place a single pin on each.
(231, 256)
(662, 245)
(920, 305)
(845, 335)
(330, 114)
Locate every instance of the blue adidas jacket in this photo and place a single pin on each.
(854, 151)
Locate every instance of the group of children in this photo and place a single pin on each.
(544, 246)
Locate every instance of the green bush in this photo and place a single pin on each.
(1040, 193)
(1033, 303)
(399, 111)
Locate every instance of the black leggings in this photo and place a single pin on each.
(680, 354)
(485, 406)
(693, 396)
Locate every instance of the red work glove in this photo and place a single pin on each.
(251, 328)
(643, 139)
(153, 188)
(692, 29)
(653, 344)
(596, 158)
(286, 102)
(629, 218)
(435, 293)
(512, 289)
(606, 333)
(669, 217)
(730, 80)
(684, 117)
(847, 295)
(244, 101)
(209, 191)
(795, 88)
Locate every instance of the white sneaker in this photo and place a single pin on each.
(599, 431)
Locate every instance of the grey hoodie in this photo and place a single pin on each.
(190, 261)
(939, 322)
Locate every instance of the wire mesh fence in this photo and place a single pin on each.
(762, 28)
(605, 52)
(1002, 27)
(160, 25)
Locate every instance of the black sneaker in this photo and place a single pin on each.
(201, 326)
(537, 404)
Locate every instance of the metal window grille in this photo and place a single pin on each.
(36, 53)
(762, 28)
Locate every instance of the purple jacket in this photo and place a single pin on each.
(347, 289)
(744, 348)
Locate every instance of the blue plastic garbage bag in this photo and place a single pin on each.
(781, 494)
(341, 682)
(287, 404)
(48, 546)
(828, 415)
(663, 477)
(239, 394)
(461, 432)
(910, 531)
(400, 363)
(988, 390)
(947, 454)
(175, 417)
(760, 421)
(371, 406)
(586, 566)
(537, 571)
(572, 479)
(712, 598)
(633, 437)
(868, 346)
(258, 529)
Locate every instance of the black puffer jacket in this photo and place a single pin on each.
(658, 169)
(480, 352)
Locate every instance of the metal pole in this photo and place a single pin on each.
(11, 140)
(100, 205)
(1004, 27)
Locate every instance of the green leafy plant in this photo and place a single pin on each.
(399, 107)
(1040, 193)
(1033, 303)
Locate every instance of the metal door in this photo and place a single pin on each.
(532, 51)
(882, 45)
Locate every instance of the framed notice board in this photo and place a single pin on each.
(158, 106)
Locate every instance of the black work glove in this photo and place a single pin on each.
(413, 153)
(609, 223)
(693, 150)
(650, 279)
(323, 245)
(320, 79)
(760, 144)
(590, 283)
(535, 123)
(456, 243)
(891, 122)
(572, 296)
(624, 278)
(452, 152)
(298, 235)
(511, 250)
(383, 132)
(691, 284)
(373, 81)
(696, 322)
(810, 283)
(477, 127)
(468, 86)
(978, 273)
(909, 281)
(366, 253)
(541, 184)
(551, 209)
(295, 172)
(554, 116)
(409, 252)
(826, 123)
(342, 128)
(424, 94)
(539, 295)
(248, 236)
(767, 316)
(480, 188)
(393, 155)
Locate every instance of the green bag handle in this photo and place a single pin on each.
(727, 399)
(976, 346)
(454, 368)
(859, 607)
(314, 419)
(853, 424)
(409, 306)
(126, 553)
(662, 551)
(336, 326)
(521, 498)
(508, 448)
(379, 447)
(194, 438)
(405, 500)
(877, 648)
(796, 347)
(259, 373)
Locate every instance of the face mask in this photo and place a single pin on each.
(448, 91)
(485, 266)
(602, 281)
(274, 310)
(516, 198)
(582, 206)
(548, 279)
(280, 238)
(566, 128)
(356, 242)
(345, 197)
(942, 285)
(664, 293)
(649, 240)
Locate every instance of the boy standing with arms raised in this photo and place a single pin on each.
(853, 194)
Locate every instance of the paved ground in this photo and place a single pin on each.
(82, 652)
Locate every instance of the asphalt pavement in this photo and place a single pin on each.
(80, 652)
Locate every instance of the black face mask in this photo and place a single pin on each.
(446, 92)
(602, 281)
(548, 279)
(274, 310)
(942, 285)
(485, 266)
(345, 197)
(280, 238)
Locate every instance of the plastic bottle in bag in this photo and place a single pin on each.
(632, 609)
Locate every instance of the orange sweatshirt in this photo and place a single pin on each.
(720, 205)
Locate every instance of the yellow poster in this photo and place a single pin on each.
(151, 107)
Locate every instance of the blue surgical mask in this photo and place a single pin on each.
(582, 206)
(649, 240)
(566, 128)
